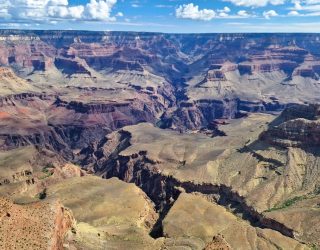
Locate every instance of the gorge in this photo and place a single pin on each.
(160, 141)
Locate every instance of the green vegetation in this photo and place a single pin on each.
(294, 200)
(47, 174)
(287, 203)
(47, 171)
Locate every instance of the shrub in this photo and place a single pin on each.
(43, 194)
(287, 203)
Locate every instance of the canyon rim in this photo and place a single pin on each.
(159, 140)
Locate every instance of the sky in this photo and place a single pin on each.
(170, 16)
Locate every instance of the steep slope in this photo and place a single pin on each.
(201, 77)
(110, 213)
(42, 225)
(103, 100)
(257, 181)
(193, 215)
(10, 83)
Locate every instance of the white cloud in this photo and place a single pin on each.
(311, 8)
(270, 13)
(225, 10)
(58, 11)
(312, 1)
(58, 2)
(293, 13)
(52, 10)
(255, 3)
(305, 8)
(223, 14)
(243, 13)
(306, 5)
(100, 10)
(191, 11)
(76, 11)
(4, 5)
(163, 6)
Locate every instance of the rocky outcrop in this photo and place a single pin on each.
(217, 71)
(71, 66)
(9, 100)
(164, 190)
(294, 133)
(284, 59)
(297, 126)
(65, 92)
(234, 233)
(60, 125)
(118, 214)
(218, 242)
(135, 51)
(199, 114)
(24, 175)
(11, 84)
(42, 225)
(199, 77)
(309, 68)
(26, 52)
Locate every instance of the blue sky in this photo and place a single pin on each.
(174, 16)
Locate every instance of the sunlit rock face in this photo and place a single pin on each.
(253, 71)
(191, 121)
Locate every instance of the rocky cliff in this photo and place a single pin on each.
(298, 126)
(41, 225)
(158, 110)
(227, 172)
(254, 72)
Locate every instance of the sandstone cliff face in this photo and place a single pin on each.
(170, 55)
(10, 83)
(296, 127)
(198, 114)
(249, 177)
(297, 132)
(77, 89)
(198, 77)
(62, 126)
(71, 66)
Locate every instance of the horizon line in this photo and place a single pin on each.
(153, 32)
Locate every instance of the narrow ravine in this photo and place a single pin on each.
(164, 190)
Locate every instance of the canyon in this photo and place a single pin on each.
(159, 141)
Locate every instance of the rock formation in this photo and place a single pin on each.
(190, 122)
(252, 71)
(298, 126)
(42, 225)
